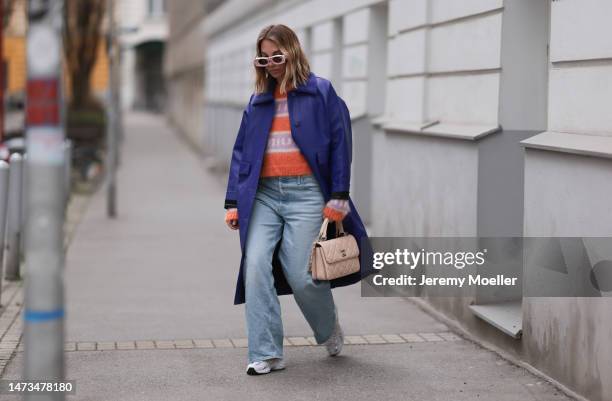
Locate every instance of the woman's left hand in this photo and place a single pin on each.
(336, 209)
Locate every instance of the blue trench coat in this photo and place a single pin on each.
(321, 128)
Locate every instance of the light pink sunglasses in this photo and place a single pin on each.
(276, 59)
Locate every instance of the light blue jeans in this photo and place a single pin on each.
(289, 209)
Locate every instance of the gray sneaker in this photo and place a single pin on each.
(335, 342)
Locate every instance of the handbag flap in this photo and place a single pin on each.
(339, 249)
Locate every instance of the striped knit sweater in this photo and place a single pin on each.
(284, 158)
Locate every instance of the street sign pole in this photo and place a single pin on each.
(44, 267)
(112, 121)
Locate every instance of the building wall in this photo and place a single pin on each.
(567, 195)
(186, 103)
(485, 118)
(184, 68)
(567, 192)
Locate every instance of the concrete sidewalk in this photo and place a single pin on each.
(150, 312)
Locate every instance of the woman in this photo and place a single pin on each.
(290, 168)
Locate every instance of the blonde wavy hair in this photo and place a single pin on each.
(297, 68)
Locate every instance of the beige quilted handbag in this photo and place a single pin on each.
(336, 257)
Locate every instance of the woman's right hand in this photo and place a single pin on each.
(231, 218)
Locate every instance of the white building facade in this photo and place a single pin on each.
(470, 118)
(142, 33)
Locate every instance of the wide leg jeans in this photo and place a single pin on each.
(289, 209)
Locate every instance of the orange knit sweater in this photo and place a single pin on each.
(282, 156)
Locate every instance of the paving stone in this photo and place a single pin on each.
(448, 336)
(164, 344)
(203, 344)
(145, 344)
(355, 340)
(432, 337)
(393, 338)
(86, 346)
(374, 339)
(126, 345)
(240, 342)
(106, 345)
(223, 343)
(70, 346)
(412, 338)
(183, 343)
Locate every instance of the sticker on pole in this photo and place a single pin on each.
(42, 104)
(45, 145)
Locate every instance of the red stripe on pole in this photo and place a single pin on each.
(42, 102)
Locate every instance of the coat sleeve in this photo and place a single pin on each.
(231, 195)
(341, 145)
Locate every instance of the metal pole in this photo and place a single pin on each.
(44, 267)
(119, 104)
(4, 186)
(68, 160)
(13, 224)
(111, 121)
(24, 206)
